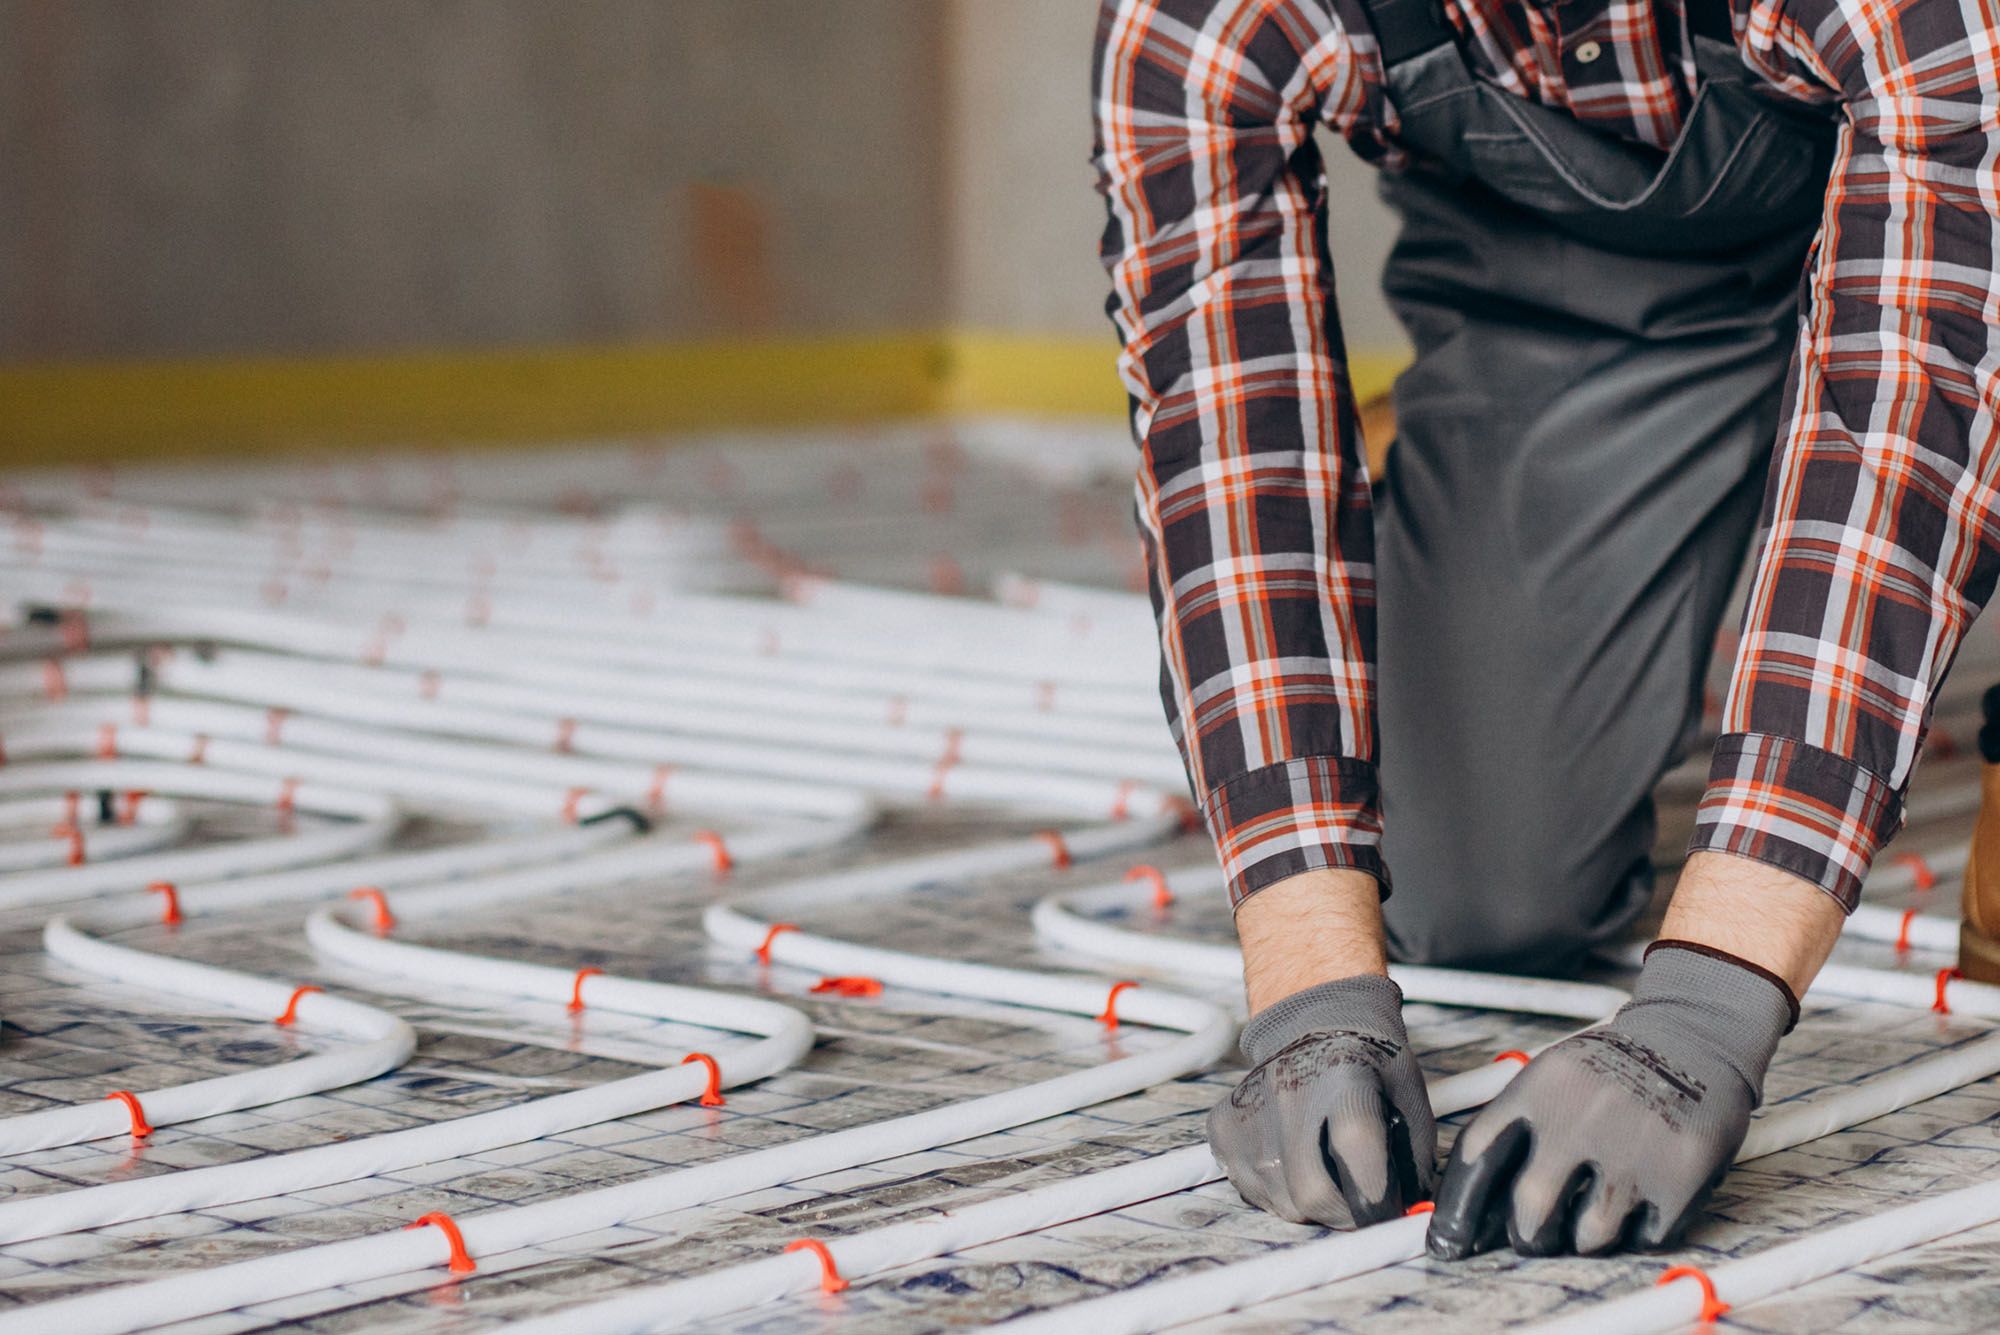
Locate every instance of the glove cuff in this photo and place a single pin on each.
(1367, 1003)
(1697, 948)
(1688, 993)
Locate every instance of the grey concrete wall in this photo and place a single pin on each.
(258, 176)
(275, 177)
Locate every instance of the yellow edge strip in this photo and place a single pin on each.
(59, 413)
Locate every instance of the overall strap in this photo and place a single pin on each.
(1406, 29)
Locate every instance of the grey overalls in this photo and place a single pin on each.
(1602, 332)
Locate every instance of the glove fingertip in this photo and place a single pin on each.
(1472, 1199)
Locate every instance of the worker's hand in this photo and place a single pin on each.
(1616, 1136)
(1333, 1124)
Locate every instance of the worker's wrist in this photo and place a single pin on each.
(1316, 927)
(1367, 1004)
(1756, 913)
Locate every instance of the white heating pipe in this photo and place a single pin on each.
(408, 760)
(161, 823)
(380, 1042)
(1060, 926)
(1793, 1265)
(1229, 1288)
(298, 1170)
(368, 821)
(734, 1288)
(492, 1234)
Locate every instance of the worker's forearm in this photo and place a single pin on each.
(1755, 912)
(1309, 929)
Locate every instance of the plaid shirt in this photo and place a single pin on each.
(1882, 522)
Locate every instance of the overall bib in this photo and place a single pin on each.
(1602, 334)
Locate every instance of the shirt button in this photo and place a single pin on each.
(1587, 52)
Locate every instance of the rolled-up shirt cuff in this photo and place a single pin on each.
(1305, 814)
(1798, 808)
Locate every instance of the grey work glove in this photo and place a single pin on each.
(1615, 1137)
(1333, 1124)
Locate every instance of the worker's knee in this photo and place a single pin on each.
(1514, 917)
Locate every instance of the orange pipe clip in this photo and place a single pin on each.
(712, 1096)
(1109, 1019)
(1146, 872)
(461, 1262)
(763, 952)
(385, 921)
(1921, 874)
(829, 1273)
(1944, 976)
(716, 848)
(576, 992)
(291, 1014)
(1056, 846)
(1711, 1306)
(141, 1128)
(850, 986)
(1121, 803)
(1513, 1054)
(172, 917)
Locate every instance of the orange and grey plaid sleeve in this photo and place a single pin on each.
(1252, 498)
(1882, 519)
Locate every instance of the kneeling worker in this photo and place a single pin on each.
(1657, 260)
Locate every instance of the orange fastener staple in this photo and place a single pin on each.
(1189, 814)
(829, 1273)
(1109, 1019)
(75, 846)
(712, 1096)
(291, 1015)
(288, 803)
(763, 952)
(1513, 1055)
(1056, 847)
(716, 848)
(107, 741)
(1903, 932)
(850, 985)
(54, 685)
(571, 799)
(141, 1128)
(1944, 976)
(576, 991)
(1711, 1306)
(1921, 875)
(1121, 802)
(656, 795)
(385, 921)
(461, 1262)
(1421, 1207)
(274, 725)
(172, 917)
(128, 808)
(1147, 872)
(952, 738)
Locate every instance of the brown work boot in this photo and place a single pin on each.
(1979, 933)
